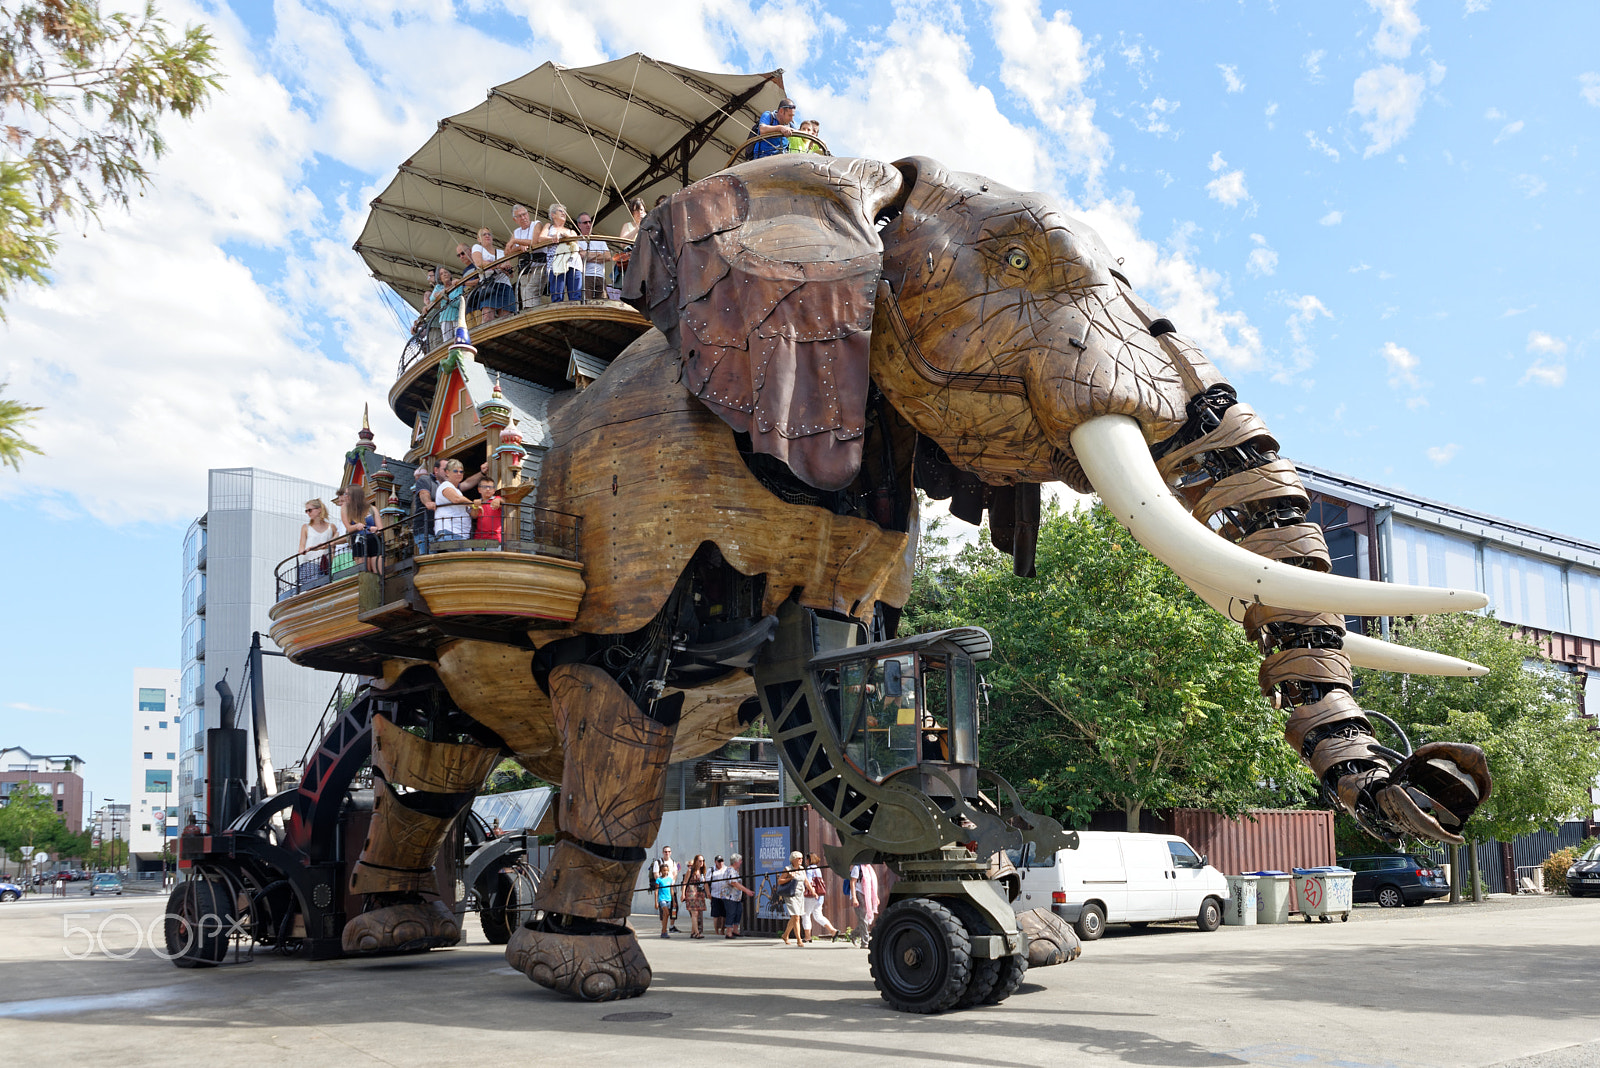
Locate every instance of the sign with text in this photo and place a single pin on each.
(772, 856)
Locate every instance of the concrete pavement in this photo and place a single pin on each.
(1433, 987)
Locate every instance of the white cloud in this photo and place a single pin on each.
(1319, 145)
(1047, 63)
(1589, 88)
(1262, 260)
(1436, 72)
(1312, 62)
(1399, 26)
(1473, 7)
(1333, 218)
(1155, 116)
(1510, 129)
(1494, 115)
(1529, 185)
(1269, 111)
(1389, 99)
(1228, 186)
(1541, 373)
(1540, 342)
(1306, 310)
(1443, 454)
(1230, 77)
(1402, 366)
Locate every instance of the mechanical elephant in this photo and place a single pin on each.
(832, 335)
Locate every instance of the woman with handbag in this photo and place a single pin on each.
(816, 895)
(792, 891)
(694, 895)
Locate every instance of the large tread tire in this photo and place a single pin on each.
(985, 973)
(1012, 969)
(920, 958)
(1209, 918)
(197, 924)
(1091, 923)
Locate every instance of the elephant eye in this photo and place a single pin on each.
(1018, 259)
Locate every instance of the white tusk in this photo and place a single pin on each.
(1363, 651)
(1113, 453)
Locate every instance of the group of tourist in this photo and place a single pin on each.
(558, 258)
(799, 889)
(451, 505)
(358, 521)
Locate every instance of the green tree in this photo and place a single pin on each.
(83, 94)
(14, 415)
(1523, 714)
(28, 818)
(1111, 683)
(508, 776)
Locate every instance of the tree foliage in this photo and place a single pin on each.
(82, 93)
(1111, 683)
(14, 416)
(1523, 714)
(29, 818)
(509, 776)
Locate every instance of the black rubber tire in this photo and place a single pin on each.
(1209, 918)
(197, 924)
(920, 958)
(985, 973)
(1012, 969)
(9, 895)
(1091, 923)
(509, 903)
(1389, 897)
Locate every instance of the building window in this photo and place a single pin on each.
(1425, 557)
(157, 782)
(61, 806)
(149, 756)
(61, 787)
(1524, 590)
(172, 756)
(144, 826)
(162, 724)
(152, 699)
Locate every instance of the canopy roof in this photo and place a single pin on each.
(591, 138)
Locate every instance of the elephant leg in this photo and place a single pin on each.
(1237, 481)
(611, 804)
(419, 788)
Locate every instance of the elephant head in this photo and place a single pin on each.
(1003, 332)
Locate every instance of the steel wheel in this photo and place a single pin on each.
(1390, 897)
(1210, 917)
(9, 895)
(1091, 923)
(921, 958)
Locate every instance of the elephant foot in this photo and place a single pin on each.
(408, 927)
(1051, 940)
(604, 964)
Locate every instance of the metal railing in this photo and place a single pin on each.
(516, 528)
(600, 265)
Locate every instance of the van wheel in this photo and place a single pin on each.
(1210, 916)
(1091, 923)
(1389, 897)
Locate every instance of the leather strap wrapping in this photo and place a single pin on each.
(1302, 542)
(1276, 480)
(1240, 424)
(1337, 707)
(1259, 616)
(1337, 750)
(438, 767)
(1329, 667)
(401, 845)
(577, 882)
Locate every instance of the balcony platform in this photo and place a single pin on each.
(357, 621)
(535, 345)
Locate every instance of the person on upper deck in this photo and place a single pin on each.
(493, 296)
(775, 128)
(531, 257)
(566, 261)
(630, 231)
(452, 520)
(360, 520)
(596, 259)
(806, 144)
(447, 294)
(487, 525)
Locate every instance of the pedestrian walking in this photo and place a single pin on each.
(713, 888)
(663, 885)
(792, 889)
(816, 897)
(694, 895)
(864, 899)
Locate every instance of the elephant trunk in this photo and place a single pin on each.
(1273, 562)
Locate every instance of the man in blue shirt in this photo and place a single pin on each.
(779, 124)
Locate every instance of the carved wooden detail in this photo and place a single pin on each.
(404, 759)
(614, 760)
(403, 928)
(324, 616)
(499, 583)
(577, 882)
(493, 683)
(401, 845)
(591, 967)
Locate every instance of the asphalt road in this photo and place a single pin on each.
(1507, 982)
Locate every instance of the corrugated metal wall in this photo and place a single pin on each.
(1265, 840)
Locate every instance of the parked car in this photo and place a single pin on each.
(105, 883)
(9, 891)
(1120, 877)
(1395, 879)
(1584, 876)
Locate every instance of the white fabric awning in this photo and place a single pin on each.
(590, 138)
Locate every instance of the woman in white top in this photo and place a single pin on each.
(493, 295)
(452, 518)
(315, 535)
(566, 275)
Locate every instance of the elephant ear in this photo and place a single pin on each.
(763, 278)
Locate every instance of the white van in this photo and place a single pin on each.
(1118, 877)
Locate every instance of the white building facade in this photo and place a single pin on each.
(230, 559)
(157, 705)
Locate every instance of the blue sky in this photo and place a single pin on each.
(1376, 217)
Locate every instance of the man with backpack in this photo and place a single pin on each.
(775, 127)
